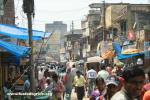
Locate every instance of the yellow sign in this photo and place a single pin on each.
(130, 51)
(108, 54)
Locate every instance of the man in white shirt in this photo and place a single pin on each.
(40, 74)
(73, 70)
(103, 73)
(91, 76)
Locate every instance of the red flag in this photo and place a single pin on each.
(131, 35)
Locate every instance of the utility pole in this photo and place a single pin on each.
(28, 7)
(104, 24)
(72, 41)
(72, 27)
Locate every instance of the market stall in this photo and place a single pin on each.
(93, 62)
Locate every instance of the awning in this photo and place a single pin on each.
(94, 59)
(117, 48)
(19, 51)
(21, 33)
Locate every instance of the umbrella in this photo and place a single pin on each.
(94, 59)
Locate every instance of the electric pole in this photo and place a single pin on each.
(104, 24)
(28, 8)
(72, 39)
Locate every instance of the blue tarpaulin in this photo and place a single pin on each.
(117, 48)
(21, 33)
(19, 51)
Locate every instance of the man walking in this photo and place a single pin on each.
(79, 82)
(134, 78)
(68, 83)
(91, 76)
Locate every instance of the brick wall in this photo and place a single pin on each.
(9, 13)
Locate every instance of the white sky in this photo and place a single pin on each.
(47, 11)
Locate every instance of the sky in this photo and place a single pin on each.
(47, 11)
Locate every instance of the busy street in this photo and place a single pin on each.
(74, 50)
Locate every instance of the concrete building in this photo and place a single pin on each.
(73, 45)
(126, 18)
(56, 41)
(7, 18)
(88, 25)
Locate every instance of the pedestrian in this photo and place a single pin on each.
(103, 73)
(146, 95)
(42, 83)
(91, 76)
(26, 88)
(119, 67)
(79, 82)
(49, 85)
(121, 82)
(74, 70)
(109, 70)
(58, 87)
(40, 74)
(112, 83)
(68, 83)
(100, 86)
(6, 90)
(146, 87)
(49, 88)
(134, 78)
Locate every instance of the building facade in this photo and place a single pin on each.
(88, 26)
(73, 45)
(56, 40)
(7, 18)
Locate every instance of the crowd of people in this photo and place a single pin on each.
(109, 83)
(129, 83)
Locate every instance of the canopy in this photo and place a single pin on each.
(120, 56)
(18, 51)
(94, 59)
(21, 33)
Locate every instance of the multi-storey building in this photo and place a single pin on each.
(7, 18)
(56, 41)
(73, 45)
(88, 25)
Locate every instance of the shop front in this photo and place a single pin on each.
(10, 56)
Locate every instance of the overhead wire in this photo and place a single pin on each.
(23, 16)
(63, 11)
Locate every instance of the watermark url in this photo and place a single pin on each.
(35, 94)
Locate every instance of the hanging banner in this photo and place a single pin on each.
(108, 54)
(106, 50)
(131, 35)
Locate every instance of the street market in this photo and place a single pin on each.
(108, 58)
